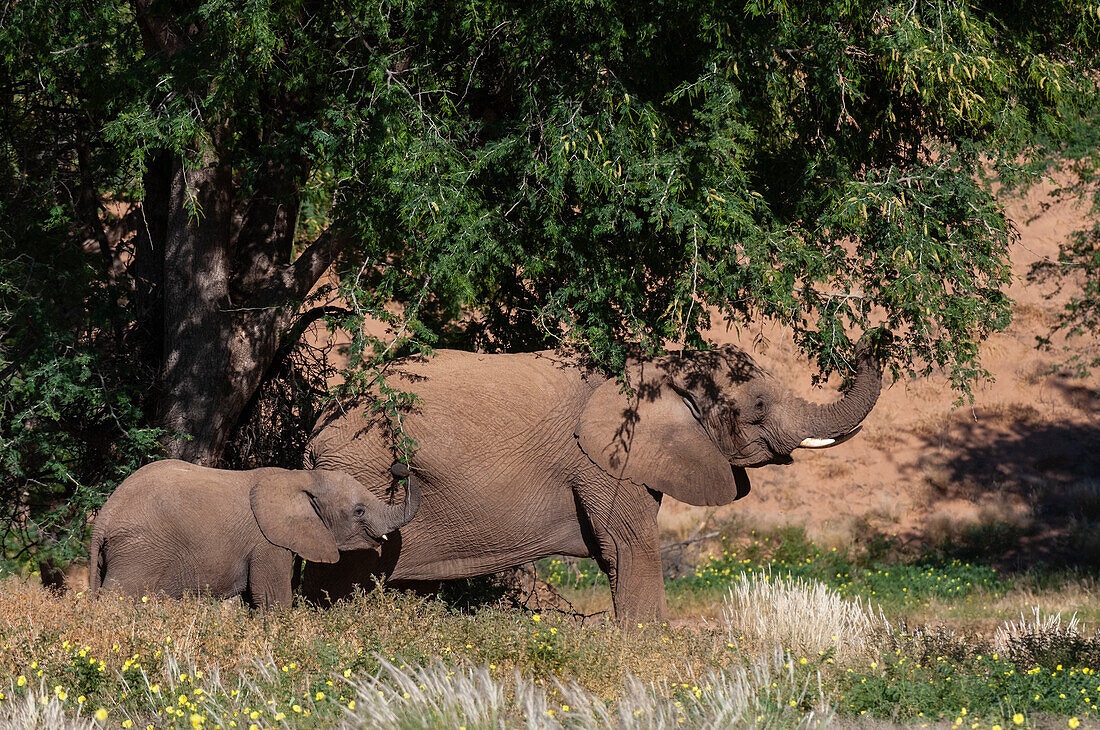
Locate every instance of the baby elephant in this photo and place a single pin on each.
(178, 528)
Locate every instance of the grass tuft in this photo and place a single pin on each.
(40, 708)
(1043, 640)
(764, 611)
(770, 691)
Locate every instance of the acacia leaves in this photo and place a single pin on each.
(604, 176)
(601, 175)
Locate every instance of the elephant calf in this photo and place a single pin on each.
(179, 528)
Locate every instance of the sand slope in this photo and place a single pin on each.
(1025, 458)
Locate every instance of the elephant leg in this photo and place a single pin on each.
(270, 577)
(623, 520)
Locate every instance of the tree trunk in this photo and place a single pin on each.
(215, 286)
(208, 359)
(214, 348)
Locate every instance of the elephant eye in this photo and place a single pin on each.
(359, 511)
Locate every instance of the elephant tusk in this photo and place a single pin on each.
(384, 537)
(813, 443)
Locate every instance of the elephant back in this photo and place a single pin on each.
(466, 403)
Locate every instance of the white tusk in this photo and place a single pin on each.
(812, 443)
(384, 537)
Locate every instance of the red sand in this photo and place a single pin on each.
(1027, 453)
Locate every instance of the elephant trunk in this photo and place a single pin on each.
(398, 515)
(819, 426)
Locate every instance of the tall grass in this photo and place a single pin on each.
(39, 709)
(783, 651)
(767, 692)
(804, 616)
(1044, 640)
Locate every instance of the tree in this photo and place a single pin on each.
(601, 176)
(1077, 267)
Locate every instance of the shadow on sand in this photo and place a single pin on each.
(1036, 484)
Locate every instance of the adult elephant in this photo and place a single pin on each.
(528, 455)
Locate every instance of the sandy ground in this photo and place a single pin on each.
(1024, 460)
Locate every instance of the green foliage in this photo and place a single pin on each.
(611, 176)
(890, 583)
(71, 423)
(604, 176)
(1076, 270)
(571, 573)
(983, 685)
(912, 580)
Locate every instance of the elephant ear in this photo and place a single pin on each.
(285, 506)
(653, 439)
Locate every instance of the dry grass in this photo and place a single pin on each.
(41, 709)
(952, 520)
(384, 659)
(683, 522)
(835, 468)
(769, 691)
(887, 508)
(840, 532)
(805, 617)
(1048, 628)
(1043, 639)
(37, 628)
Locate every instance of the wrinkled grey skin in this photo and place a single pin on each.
(528, 455)
(176, 528)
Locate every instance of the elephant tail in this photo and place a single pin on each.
(95, 562)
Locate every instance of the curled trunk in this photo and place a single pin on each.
(833, 421)
(398, 515)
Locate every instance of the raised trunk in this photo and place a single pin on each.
(836, 420)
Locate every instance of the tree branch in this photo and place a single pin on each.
(300, 276)
(295, 280)
(298, 328)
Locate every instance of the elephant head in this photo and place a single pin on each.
(695, 420)
(319, 513)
